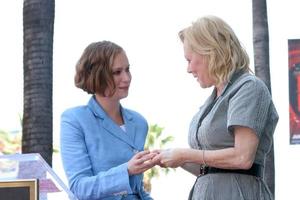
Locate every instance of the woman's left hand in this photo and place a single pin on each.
(141, 162)
(170, 157)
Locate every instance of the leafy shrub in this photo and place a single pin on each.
(155, 140)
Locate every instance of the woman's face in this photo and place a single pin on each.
(121, 76)
(197, 66)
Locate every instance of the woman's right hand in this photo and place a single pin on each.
(141, 162)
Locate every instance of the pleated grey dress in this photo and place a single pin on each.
(245, 101)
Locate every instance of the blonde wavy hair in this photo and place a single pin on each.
(213, 38)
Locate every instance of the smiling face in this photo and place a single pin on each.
(197, 66)
(121, 76)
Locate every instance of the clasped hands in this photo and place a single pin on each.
(145, 160)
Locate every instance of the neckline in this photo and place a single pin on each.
(233, 78)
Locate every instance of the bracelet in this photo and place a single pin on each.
(203, 158)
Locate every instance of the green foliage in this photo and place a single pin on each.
(10, 143)
(155, 140)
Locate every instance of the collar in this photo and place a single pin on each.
(112, 127)
(98, 110)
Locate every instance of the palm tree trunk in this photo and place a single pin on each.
(262, 70)
(38, 25)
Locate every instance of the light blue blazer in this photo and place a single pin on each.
(95, 152)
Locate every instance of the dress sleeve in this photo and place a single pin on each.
(78, 168)
(249, 106)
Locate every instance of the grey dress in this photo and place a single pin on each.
(245, 101)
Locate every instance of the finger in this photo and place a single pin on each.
(152, 155)
(141, 154)
(162, 165)
(147, 165)
(144, 158)
(156, 159)
(164, 162)
(149, 156)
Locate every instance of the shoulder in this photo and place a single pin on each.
(251, 79)
(75, 112)
(251, 83)
(76, 109)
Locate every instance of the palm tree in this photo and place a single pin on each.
(262, 70)
(38, 25)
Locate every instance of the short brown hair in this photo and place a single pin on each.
(93, 70)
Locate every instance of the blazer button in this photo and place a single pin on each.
(135, 151)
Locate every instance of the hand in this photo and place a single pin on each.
(169, 157)
(141, 162)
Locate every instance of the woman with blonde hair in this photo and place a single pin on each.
(232, 132)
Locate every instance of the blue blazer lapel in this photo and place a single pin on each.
(130, 126)
(111, 127)
(116, 131)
